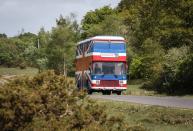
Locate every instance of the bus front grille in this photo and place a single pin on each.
(109, 83)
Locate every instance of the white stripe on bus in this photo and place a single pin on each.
(124, 81)
(109, 88)
(99, 54)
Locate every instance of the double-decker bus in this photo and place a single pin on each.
(101, 64)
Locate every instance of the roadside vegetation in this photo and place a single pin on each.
(29, 71)
(51, 102)
(135, 87)
(152, 118)
(137, 90)
(7, 74)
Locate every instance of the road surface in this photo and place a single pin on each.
(186, 103)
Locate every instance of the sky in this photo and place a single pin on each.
(31, 15)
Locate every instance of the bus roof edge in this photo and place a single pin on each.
(105, 38)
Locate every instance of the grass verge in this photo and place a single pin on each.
(153, 118)
(17, 71)
(134, 88)
(138, 91)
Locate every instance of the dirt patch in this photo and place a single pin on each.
(5, 78)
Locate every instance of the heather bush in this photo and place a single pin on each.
(51, 102)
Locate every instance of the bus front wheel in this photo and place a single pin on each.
(118, 92)
(89, 91)
(105, 92)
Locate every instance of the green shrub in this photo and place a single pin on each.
(135, 68)
(23, 66)
(176, 76)
(51, 102)
(184, 77)
(17, 105)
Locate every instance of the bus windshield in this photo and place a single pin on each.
(107, 46)
(109, 68)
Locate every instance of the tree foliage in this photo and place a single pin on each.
(183, 82)
(3, 35)
(61, 49)
(93, 19)
(47, 50)
(11, 52)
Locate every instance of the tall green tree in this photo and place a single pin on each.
(94, 18)
(61, 49)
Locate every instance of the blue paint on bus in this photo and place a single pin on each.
(108, 77)
(105, 47)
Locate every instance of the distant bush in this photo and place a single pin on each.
(176, 78)
(22, 66)
(135, 69)
(51, 102)
(184, 77)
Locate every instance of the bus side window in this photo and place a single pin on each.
(91, 47)
(86, 46)
(90, 68)
(77, 54)
(78, 50)
(81, 48)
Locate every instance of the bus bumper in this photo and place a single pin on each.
(109, 88)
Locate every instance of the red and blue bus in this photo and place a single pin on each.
(101, 64)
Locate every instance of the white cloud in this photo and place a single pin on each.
(33, 14)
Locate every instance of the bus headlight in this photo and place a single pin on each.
(97, 82)
(121, 82)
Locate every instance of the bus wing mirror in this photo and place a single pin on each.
(90, 71)
(128, 76)
(126, 67)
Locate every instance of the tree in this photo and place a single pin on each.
(111, 25)
(170, 81)
(28, 38)
(61, 49)
(93, 18)
(3, 35)
(43, 37)
(183, 83)
(10, 52)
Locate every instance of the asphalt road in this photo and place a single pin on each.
(186, 103)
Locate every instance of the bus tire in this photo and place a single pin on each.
(106, 92)
(89, 91)
(118, 92)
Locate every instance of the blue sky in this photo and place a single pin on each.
(31, 15)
